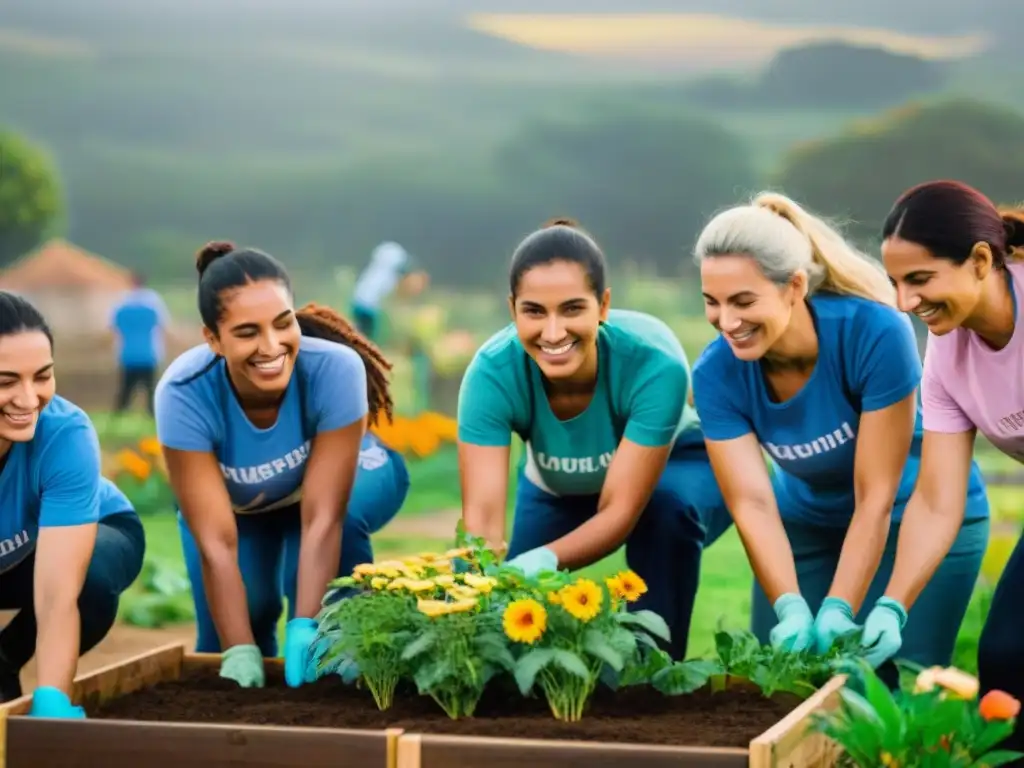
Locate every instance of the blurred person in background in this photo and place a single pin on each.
(391, 267)
(70, 541)
(815, 364)
(139, 323)
(955, 261)
(279, 484)
(614, 454)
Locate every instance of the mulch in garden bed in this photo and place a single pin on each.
(633, 715)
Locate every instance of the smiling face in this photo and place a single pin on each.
(27, 384)
(747, 308)
(258, 337)
(942, 293)
(557, 317)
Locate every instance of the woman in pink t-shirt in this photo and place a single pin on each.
(950, 253)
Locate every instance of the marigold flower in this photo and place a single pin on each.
(483, 584)
(582, 600)
(379, 582)
(434, 608)
(444, 580)
(364, 569)
(524, 621)
(150, 446)
(631, 585)
(460, 592)
(998, 705)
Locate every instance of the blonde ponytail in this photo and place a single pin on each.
(784, 238)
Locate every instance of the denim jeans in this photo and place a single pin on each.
(684, 514)
(268, 551)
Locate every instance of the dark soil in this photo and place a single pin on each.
(634, 715)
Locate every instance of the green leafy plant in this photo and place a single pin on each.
(936, 724)
(161, 595)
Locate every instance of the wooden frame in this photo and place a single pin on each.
(784, 745)
(27, 742)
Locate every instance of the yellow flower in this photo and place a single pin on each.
(631, 585)
(483, 584)
(444, 580)
(555, 598)
(614, 585)
(583, 599)
(950, 679)
(451, 554)
(427, 556)
(463, 593)
(364, 569)
(444, 565)
(435, 608)
(398, 583)
(378, 582)
(525, 621)
(419, 585)
(415, 561)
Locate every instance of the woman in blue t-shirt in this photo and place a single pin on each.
(816, 365)
(278, 482)
(70, 541)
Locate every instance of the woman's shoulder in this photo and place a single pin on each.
(188, 366)
(62, 420)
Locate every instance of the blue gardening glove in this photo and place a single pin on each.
(244, 665)
(535, 561)
(53, 702)
(834, 620)
(795, 630)
(883, 630)
(299, 636)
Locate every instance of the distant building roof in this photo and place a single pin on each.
(59, 265)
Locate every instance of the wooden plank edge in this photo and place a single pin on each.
(408, 751)
(199, 661)
(170, 656)
(786, 743)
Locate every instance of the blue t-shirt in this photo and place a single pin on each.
(867, 361)
(196, 410)
(53, 480)
(138, 320)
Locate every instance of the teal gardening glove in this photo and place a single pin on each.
(244, 665)
(534, 561)
(795, 630)
(834, 620)
(883, 630)
(53, 702)
(299, 636)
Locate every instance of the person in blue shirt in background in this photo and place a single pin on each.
(279, 485)
(139, 323)
(815, 364)
(70, 541)
(390, 267)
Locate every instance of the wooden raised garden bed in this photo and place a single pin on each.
(167, 708)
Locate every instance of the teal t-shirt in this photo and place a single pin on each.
(643, 385)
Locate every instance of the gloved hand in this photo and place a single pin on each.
(244, 665)
(535, 560)
(53, 702)
(795, 630)
(299, 635)
(834, 620)
(883, 630)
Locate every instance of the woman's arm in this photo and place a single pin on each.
(632, 476)
(198, 485)
(883, 443)
(742, 475)
(330, 474)
(62, 559)
(483, 477)
(934, 514)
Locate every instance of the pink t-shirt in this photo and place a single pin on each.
(968, 384)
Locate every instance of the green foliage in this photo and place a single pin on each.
(160, 596)
(912, 728)
(859, 174)
(31, 199)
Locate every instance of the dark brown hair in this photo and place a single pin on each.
(223, 267)
(559, 239)
(949, 218)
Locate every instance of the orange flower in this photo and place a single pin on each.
(997, 705)
(149, 446)
(133, 464)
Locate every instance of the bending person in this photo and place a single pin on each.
(278, 484)
(614, 453)
(815, 364)
(70, 541)
(951, 254)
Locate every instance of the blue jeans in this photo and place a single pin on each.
(1001, 648)
(684, 515)
(934, 619)
(116, 562)
(268, 550)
